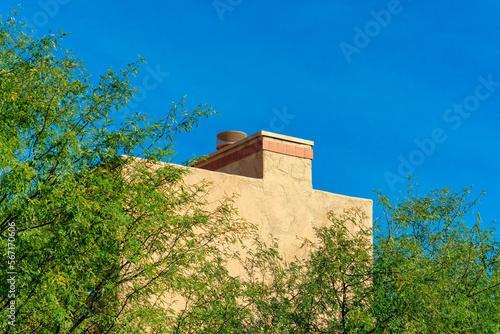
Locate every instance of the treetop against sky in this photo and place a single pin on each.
(385, 88)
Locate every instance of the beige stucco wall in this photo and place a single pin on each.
(251, 166)
(274, 191)
(271, 176)
(283, 204)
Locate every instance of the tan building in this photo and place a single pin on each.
(271, 174)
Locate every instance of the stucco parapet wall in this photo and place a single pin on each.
(282, 210)
(260, 141)
(279, 210)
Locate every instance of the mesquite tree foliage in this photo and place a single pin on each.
(100, 235)
(103, 241)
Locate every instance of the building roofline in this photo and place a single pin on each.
(262, 134)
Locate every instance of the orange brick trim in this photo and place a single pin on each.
(233, 157)
(266, 145)
(295, 151)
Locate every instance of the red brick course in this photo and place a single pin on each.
(299, 152)
(266, 145)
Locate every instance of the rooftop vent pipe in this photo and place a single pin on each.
(229, 137)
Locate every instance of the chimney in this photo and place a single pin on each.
(229, 137)
(265, 155)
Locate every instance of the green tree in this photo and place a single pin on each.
(100, 243)
(329, 292)
(436, 269)
(106, 238)
(430, 269)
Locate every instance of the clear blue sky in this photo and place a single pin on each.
(382, 87)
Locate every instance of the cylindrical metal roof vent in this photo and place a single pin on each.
(229, 137)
